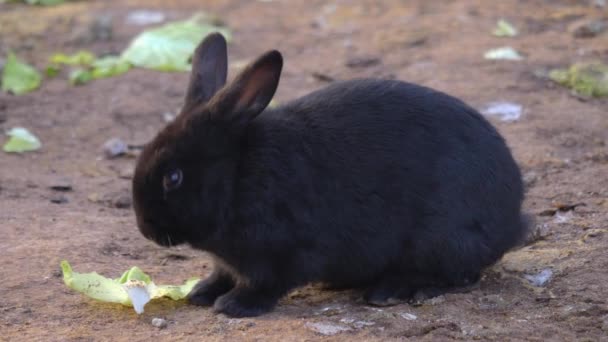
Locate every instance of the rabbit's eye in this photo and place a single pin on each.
(172, 179)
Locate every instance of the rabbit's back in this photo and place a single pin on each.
(381, 173)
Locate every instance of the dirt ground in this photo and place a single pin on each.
(560, 143)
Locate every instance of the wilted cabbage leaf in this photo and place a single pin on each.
(90, 67)
(504, 29)
(169, 47)
(585, 79)
(80, 76)
(21, 140)
(133, 288)
(79, 58)
(18, 77)
(109, 66)
(52, 70)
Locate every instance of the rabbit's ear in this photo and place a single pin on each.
(251, 91)
(209, 70)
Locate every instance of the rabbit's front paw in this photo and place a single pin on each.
(208, 290)
(245, 302)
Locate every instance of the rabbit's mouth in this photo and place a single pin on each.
(167, 240)
(159, 233)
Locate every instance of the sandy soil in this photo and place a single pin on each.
(560, 143)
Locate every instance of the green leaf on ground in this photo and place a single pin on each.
(18, 77)
(504, 29)
(170, 47)
(89, 67)
(80, 76)
(109, 66)
(52, 70)
(21, 140)
(134, 288)
(84, 58)
(585, 79)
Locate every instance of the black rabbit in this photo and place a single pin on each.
(375, 184)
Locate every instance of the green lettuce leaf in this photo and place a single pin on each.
(88, 66)
(84, 58)
(109, 66)
(52, 70)
(585, 79)
(170, 47)
(80, 76)
(21, 140)
(134, 288)
(504, 29)
(18, 77)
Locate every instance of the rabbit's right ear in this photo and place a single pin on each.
(209, 70)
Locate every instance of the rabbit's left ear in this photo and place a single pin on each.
(251, 91)
(209, 70)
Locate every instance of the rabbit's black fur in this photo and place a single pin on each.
(383, 185)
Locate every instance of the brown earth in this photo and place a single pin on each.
(560, 143)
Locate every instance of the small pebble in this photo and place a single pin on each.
(115, 147)
(122, 201)
(101, 28)
(61, 184)
(560, 217)
(503, 53)
(363, 324)
(362, 62)
(589, 29)
(436, 300)
(409, 316)
(380, 314)
(492, 302)
(160, 323)
(540, 279)
(505, 111)
(234, 321)
(59, 199)
(126, 173)
(331, 311)
(168, 117)
(319, 76)
(145, 17)
(539, 232)
(347, 320)
(530, 178)
(327, 329)
(94, 197)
